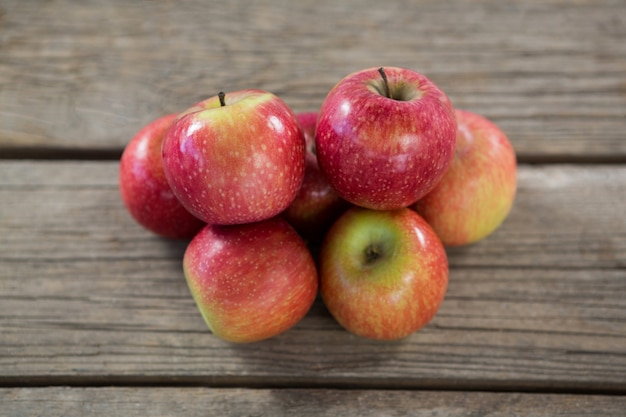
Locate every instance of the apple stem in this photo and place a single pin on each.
(222, 97)
(381, 71)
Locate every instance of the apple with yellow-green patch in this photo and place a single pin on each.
(235, 158)
(383, 274)
(252, 281)
(477, 192)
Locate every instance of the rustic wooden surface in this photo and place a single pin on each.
(550, 72)
(131, 402)
(95, 316)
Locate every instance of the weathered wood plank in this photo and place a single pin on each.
(564, 216)
(87, 76)
(131, 402)
(496, 330)
(87, 296)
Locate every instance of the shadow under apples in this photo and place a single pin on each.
(318, 351)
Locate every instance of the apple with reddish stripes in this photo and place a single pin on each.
(383, 274)
(251, 281)
(477, 192)
(235, 158)
(385, 137)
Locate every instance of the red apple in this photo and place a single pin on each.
(383, 274)
(145, 190)
(477, 192)
(385, 137)
(317, 205)
(235, 158)
(252, 281)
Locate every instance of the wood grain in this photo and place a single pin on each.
(80, 78)
(95, 315)
(74, 402)
(88, 297)
(564, 216)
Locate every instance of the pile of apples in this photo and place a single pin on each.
(379, 180)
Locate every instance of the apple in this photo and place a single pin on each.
(317, 205)
(144, 189)
(235, 158)
(385, 137)
(477, 192)
(383, 274)
(250, 281)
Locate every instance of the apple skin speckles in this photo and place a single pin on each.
(477, 192)
(383, 274)
(252, 281)
(385, 153)
(239, 163)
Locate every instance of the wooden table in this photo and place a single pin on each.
(95, 315)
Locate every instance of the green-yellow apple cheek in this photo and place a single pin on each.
(468, 204)
(200, 298)
(221, 296)
(472, 194)
(244, 295)
(219, 300)
(488, 199)
(445, 208)
(225, 306)
(485, 211)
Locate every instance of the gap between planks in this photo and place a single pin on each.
(307, 383)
